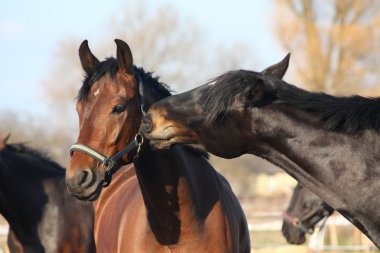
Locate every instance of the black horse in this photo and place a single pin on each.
(331, 145)
(42, 215)
(305, 210)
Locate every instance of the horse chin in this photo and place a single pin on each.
(292, 234)
(296, 240)
(160, 144)
(299, 241)
(167, 143)
(90, 194)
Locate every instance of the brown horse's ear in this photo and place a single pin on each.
(3, 141)
(87, 59)
(124, 56)
(279, 69)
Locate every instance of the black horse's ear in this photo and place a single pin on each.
(87, 59)
(254, 94)
(124, 56)
(279, 69)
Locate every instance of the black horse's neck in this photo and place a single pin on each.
(170, 183)
(340, 167)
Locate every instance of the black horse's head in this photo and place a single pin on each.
(305, 210)
(204, 115)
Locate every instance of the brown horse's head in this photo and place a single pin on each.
(109, 113)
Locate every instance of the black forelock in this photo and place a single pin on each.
(219, 98)
(350, 114)
(110, 67)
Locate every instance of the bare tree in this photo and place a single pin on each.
(334, 43)
(178, 50)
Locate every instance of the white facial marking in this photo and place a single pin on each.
(96, 92)
(212, 83)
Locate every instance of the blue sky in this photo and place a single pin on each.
(30, 31)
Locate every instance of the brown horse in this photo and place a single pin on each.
(331, 145)
(169, 201)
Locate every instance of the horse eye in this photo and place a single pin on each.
(118, 109)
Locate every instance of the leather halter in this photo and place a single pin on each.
(299, 223)
(111, 162)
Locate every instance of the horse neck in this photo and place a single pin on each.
(321, 160)
(171, 183)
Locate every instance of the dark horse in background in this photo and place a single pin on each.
(331, 145)
(305, 210)
(42, 215)
(169, 201)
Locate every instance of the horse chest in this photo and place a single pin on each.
(127, 229)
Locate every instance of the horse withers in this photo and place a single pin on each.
(42, 215)
(328, 144)
(171, 200)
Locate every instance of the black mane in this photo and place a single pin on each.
(21, 150)
(350, 114)
(109, 67)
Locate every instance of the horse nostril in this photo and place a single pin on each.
(83, 178)
(147, 125)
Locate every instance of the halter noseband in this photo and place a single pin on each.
(299, 223)
(111, 162)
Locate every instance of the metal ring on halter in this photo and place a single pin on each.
(139, 138)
